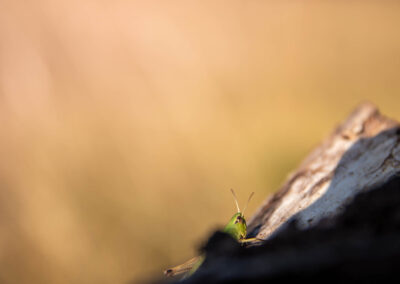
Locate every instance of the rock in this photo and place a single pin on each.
(337, 217)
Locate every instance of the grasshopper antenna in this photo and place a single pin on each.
(248, 200)
(236, 202)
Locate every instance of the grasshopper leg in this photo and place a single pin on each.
(249, 240)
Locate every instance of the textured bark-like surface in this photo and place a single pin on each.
(337, 217)
(363, 244)
(362, 153)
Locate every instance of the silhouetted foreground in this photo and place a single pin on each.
(345, 197)
(362, 243)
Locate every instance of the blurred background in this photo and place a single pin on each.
(124, 124)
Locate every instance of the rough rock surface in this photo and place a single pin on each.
(361, 154)
(362, 243)
(337, 217)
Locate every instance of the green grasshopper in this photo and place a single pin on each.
(236, 228)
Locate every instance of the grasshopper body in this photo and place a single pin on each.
(236, 228)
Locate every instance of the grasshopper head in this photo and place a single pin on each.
(237, 227)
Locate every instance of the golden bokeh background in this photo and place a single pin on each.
(124, 124)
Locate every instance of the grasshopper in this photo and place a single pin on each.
(236, 228)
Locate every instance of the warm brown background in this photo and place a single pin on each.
(123, 124)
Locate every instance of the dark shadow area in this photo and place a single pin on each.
(361, 243)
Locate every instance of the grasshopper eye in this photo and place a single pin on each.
(238, 219)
